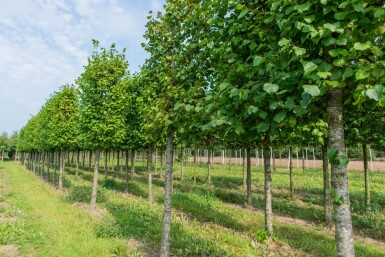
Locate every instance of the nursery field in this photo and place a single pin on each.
(208, 219)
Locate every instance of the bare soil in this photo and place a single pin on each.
(353, 165)
(96, 212)
(9, 250)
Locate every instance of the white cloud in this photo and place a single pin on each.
(44, 44)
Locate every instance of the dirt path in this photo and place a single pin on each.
(353, 165)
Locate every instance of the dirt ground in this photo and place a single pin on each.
(353, 165)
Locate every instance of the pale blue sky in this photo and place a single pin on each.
(45, 43)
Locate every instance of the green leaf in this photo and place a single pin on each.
(309, 67)
(177, 106)
(279, 117)
(358, 7)
(344, 161)
(224, 85)
(375, 93)
(332, 155)
(234, 92)
(312, 90)
(340, 15)
(361, 74)
(243, 13)
(252, 109)
(262, 127)
(299, 51)
(323, 75)
(302, 7)
(377, 51)
(347, 73)
(283, 42)
(189, 107)
(258, 60)
(362, 46)
(332, 27)
(270, 88)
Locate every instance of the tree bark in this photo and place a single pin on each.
(166, 226)
(61, 169)
(291, 174)
(249, 194)
(342, 214)
(95, 179)
(195, 166)
(244, 169)
(149, 169)
(366, 175)
(327, 202)
(132, 163)
(105, 164)
(268, 184)
(77, 162)
(209, 166)
(126, 173)
(90, 159)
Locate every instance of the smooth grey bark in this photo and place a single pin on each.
(132, 163)
(90, 159)
(95, 179)
(195, 165)
(149, 170)
(326, 182)
(249, 194)
(209, 166)
(166, 226)
(61, 169)
(77, 162)
(43, 162)
(181, 163)
(268, 189)
(126, 173)
(303, 161)
(105, 164)
(244, 169)
(291, 174)
(83, 159)
(366, 175)
(342, 214)
(55, 161)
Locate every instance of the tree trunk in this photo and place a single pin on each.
(327, 202)
(61, 169)
(244, 169)
(291, 172)
(56, 162)
(83, 159)
(95, 179)
(118, 162)
(342, 214)
(126, 173)
(195, 166)
(132, 163)
(42, 165)
(105, 164)
(90, 159)
(209, 166)
(166, 226)
(366, 174)
(268, 184)
(149, 169)
(77, 162)
(303, 161)
(249, 195)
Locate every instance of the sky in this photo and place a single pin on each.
(44, 44)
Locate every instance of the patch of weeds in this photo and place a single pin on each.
(108, 228)
(109, 183)
(262, 236)
(83, 194)
(11, 232)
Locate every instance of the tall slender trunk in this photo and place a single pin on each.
(83, 159)
(166, 226)
(244, 168)
(95, 179)
(268, 185)
(181, 163)
(126, 173)
(303, 161)
(195, 165)
(149, 169)
(342, 214)
(42, 165)
(90, 159)
(291, 172)
(118, 162)
(327, 202)
(273, 158)
(61, 169)
(105, 164)
(249, 195)
(132, 163)
(209, 166)
(56, 161)
(77, 162)
(366, 174)
(156, 160)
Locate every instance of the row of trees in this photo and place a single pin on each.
(234, 74)
(8, 145)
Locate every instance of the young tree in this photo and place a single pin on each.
(103, 102)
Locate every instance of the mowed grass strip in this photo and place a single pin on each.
(53, 227)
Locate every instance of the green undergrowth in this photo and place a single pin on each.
(207, 205)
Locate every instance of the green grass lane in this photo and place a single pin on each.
(46, 224)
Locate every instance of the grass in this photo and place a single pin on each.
(210, 220)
